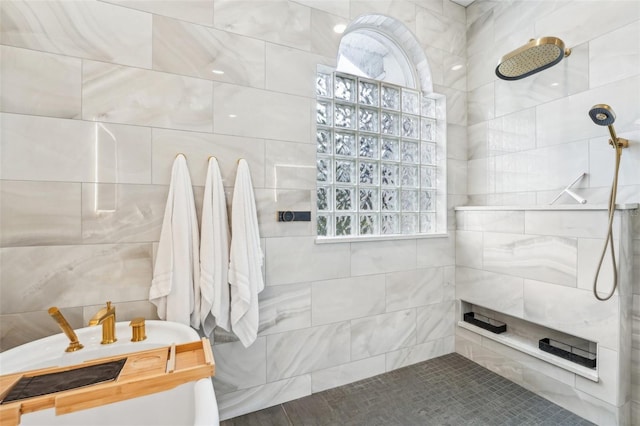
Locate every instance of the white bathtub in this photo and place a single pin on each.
(192, 403)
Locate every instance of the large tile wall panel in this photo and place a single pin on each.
(378, 334)
(299, 259)
(86, 29)
(187, 49)
(250, 112)
(298, 78)
(347, 373)
(26, 90)
(545, 258)
(238, 367)
(247, 400)
(200, 11)
(50, 149)
(410, 289)
(302, 351)
(136, 215)
(118, 94)
(35, 278)
(419, 353)
(39, 213)
(614, 56)
(347, 298)
(290, 165)
(502, 293)
(382, 256)
(284, 308)
(258, 20)
(573, 311)
(198, 147)
(435, 321)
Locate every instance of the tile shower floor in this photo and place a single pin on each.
(449, 390)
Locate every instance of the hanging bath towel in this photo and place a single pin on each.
(214, 253)
(245, 267)
(176, 274)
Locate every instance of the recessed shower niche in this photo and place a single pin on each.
(563, 350)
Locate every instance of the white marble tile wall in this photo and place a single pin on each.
(542, 272)
(602, 68)
(97, 99)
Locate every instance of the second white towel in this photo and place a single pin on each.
(245, 267)
(214, 253)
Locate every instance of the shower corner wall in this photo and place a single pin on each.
(536, 270)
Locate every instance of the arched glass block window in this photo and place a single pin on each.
(380, 142)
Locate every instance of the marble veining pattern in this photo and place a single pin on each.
(86, 29)
(409, 289)
(238, 367)
(347, 298)
(284, 308)
(127, 95)
(382, 333)
(347, 373)
(25, 90)
(187, 10)
(302, 351)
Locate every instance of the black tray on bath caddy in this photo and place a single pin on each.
(487, 323)
(568, 352)
(29, 387)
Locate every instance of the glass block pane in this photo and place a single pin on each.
(389, 174)
(369, 199)
(409, 223)
(390, 98)
(344, 198)
(389, 224)
(345, 116)
(323, 113)
(323, 85)
(428, 154)
(369, 173)
(409, 176)
(409, 126)
(410, 102)
(323, 198)
(389, 200)
(428, 177)
(427, 201)
(390, 123)
(369, 146)
(390, 149)
(368, 224)
(428, 130)
(344, 225)
(428, 107)
(324, 170)
(368, 120)
(410, 201)
(323, 140)
(345, 144)
(324, 225)
(410, 152)
(345, 171)
(368, 93)
(428, 223)
(345, 89)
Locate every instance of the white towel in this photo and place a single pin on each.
(214, 253)
(176, 274)
(245, 273)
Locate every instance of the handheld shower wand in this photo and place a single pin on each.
(603, 115)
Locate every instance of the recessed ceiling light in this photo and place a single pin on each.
(339, 28)
(555, 84)
(456, 67)
(219, 72)
(232, 116)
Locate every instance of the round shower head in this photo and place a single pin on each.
(602, 115)
(533, 57)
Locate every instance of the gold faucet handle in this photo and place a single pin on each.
(138, 331)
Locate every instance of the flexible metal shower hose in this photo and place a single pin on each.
(609, 239)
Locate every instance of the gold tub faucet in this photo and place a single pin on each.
(74, 344)
(106, 317)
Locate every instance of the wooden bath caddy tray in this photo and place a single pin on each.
(143, 373)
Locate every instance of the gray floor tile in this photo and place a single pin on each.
(449, 390)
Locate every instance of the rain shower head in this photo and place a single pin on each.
(602, 115)
(533, 57)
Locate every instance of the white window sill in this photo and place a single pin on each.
(363, 239)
